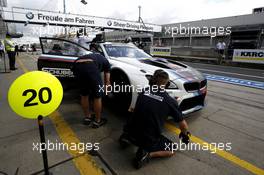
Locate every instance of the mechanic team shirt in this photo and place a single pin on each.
(151, 111)
(100, 61)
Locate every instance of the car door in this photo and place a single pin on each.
(58, 56)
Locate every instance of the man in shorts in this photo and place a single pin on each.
(144, 128)
(87, 69)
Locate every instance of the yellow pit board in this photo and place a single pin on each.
(35, 93)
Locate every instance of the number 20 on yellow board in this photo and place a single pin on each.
(35, 93)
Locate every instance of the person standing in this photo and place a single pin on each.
(87, 69)
(10, 49)
(220, 46)
(81, 38)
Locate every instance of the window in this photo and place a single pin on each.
(62, 47)
(125, 51)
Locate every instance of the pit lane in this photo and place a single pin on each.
(233, 114)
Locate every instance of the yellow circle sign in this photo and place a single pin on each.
(35, 93)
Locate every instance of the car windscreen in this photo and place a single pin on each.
(125, 51)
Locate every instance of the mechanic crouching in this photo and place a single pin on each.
(144, 127)
(87, 69)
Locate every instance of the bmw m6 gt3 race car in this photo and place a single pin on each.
(129, 66)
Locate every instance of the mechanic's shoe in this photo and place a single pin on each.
(124, 140)
(142, 157)
(99, 124)
(87, 120)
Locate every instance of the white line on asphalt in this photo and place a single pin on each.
(231, 73)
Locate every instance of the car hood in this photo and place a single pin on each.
(176, 70)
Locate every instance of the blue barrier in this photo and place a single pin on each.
(241, 82)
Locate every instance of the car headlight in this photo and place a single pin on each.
(170, 85)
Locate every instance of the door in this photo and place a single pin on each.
(58, 56)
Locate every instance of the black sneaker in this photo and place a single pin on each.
(87, 120)
(98, 124)
(142, 157)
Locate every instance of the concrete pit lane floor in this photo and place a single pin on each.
(233, 118)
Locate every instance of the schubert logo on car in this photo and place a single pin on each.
(30, 15)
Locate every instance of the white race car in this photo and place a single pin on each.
(130, 67)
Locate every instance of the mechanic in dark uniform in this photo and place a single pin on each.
(87, 70)
(144, 128)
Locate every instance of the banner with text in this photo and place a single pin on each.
(35, 16)
(160, 51)
(248, 56)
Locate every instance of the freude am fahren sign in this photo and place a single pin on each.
(17, 14)
(248, 56)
